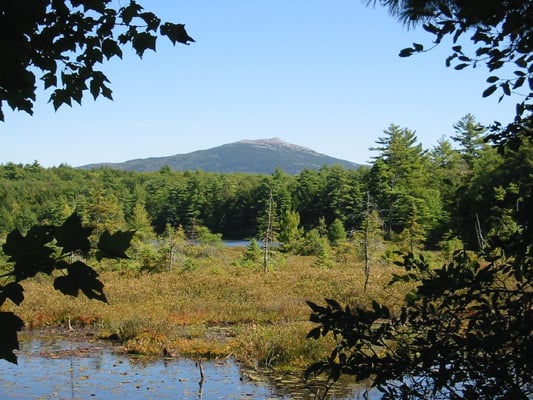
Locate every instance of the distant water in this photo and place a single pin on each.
(236, 243)
(244, 243)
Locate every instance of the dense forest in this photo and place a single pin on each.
(461, 191)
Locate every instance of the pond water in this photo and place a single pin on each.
(59, 368)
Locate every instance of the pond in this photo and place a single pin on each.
(58, 367)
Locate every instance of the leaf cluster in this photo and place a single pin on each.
(49, 248)
(66, 41)
(464, 332)
(501, 34)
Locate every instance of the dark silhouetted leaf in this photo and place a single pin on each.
(408, 52)
(115, 245)
(10, 325)
(443, 8)
(176, 33)
(430, 28)
(491, 89)
(143, 41)
(13, 291)
(334, 304)
(315, 369)
(521, 62)
(316, 308)
(83, 278)
(111, 48)
(129, 12)
(72, 236)
(418, 47)
(152, 21)
(506, 89)
(66, 285)
(314, 333)
(30, 253)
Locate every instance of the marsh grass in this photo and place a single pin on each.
(217, 309)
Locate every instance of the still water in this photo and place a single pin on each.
(58, 368)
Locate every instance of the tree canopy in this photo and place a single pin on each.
(63, 43)
(502, 40)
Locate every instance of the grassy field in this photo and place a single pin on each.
(216, 309)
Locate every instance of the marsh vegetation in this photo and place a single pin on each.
(215, 310)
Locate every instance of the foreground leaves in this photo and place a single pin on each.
(11, 324)
(80, 277)
(465, 332)
(66, 41)
(497, 35)
(45, 249)
(114, 245)
(72, 236)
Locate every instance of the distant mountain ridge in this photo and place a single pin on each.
(261, 156)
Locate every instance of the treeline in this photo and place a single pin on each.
(460, 190)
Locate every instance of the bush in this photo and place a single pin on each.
(251, 255)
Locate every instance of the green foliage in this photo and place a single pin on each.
(401, 185)
(465, 331)
(323, 258)
(291, 233)
(313, 243)
(501, 40)
(103, 209)
(419, 194)
(336, 232)
(469, 134)
(449, 245)
(143, 249)
(206, 237)
(49, 248)
(66, 42)
(252, 255)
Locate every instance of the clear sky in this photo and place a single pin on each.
(321, 74)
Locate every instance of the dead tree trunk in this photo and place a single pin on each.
(268, 235)
(367, 242)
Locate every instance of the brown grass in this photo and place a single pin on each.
(214, 310)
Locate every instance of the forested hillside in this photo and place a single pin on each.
(459, 189)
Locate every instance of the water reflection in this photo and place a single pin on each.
(64, 369)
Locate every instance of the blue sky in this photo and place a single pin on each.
(324, 75)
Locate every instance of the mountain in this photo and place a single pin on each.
(251, 156)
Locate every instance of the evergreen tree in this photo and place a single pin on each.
(469, 135)
(103, 211)
(448, 170)
(252, 254)
(308, 197)
(399, 181)
(290, 233)
(336, 232)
